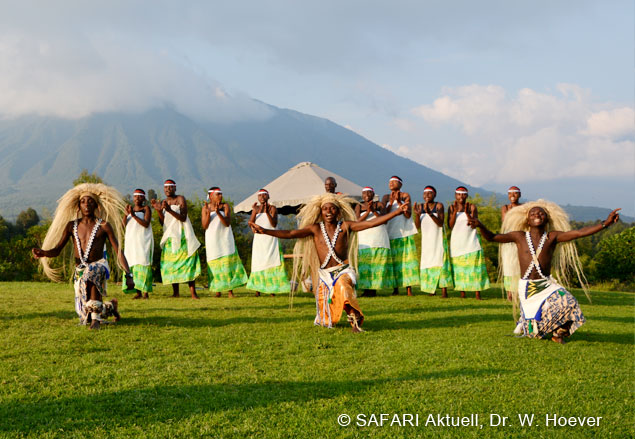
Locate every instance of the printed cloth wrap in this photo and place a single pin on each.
(547, 307)
(469, 272)
(177, 266)
(405, 263)
(336, 291)
(435, 268)
(374, 263)
(226, 273)
(173, 229)
(96, 273)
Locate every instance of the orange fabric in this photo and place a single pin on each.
(343, 294)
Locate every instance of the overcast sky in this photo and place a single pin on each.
(490, 92)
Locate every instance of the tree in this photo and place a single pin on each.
(27, 219)
(85, 177)
(616, 258)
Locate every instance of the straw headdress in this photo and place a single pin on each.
(565, 261)
(110, 206)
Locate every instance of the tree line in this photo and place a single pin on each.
(607, 257)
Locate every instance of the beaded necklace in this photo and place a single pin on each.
(331, 244)
(534, 253)
(83, 257)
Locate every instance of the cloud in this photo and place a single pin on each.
(529, 136)
(75, 75)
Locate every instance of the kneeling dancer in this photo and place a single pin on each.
(537, 228)
(89, 215)
(329, 254)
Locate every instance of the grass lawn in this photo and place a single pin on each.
(252, 367)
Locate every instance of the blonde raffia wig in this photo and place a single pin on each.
(565, 261)
(110, 207)
(308, 264)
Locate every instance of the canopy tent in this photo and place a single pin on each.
(297, 186)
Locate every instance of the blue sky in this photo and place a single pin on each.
(538, 94)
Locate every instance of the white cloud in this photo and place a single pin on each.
(529, 136)
(74, 76)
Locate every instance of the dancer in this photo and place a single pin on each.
(536, 228)
(139, 243)
(89, 215)
(435, 268)
(329, 254)
(374, 263)
(468, 262)
(510, 274)
(267, 264)
(179, 257)
(401, 232)
(224, 267)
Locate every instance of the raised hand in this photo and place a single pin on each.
(128, 209)
(612, 218)
(155, 204)
(37, 253)
(417, 209)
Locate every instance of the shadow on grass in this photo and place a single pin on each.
(172, 403)
(442, 322)
(188, 322)
(64, 315)
(625, 338)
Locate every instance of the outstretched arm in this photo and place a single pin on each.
(55, 251)
(590, 230)
(285, 234)
(357, 226)
(489, 235)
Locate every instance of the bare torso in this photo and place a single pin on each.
(341, 245)
(545, 256)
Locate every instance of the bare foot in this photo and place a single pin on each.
(272, 295)
(509, 296)
(462, 294)
(445, 293)
(395, 292)
(230, 294)
(94, 325)
(409, 291)
(175, 295)
(257, 293)
(478, 295)
(195, 296)
(218, 294)
(115, 310)
(138, 296)
(559, 340)
(146, 296)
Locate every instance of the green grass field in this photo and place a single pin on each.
(252, 367)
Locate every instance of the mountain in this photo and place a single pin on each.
(41, 156)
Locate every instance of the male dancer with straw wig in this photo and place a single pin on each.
(224, 267)
(537, 228)
(267, 264)
(329, 254)
(179, 258)
(139, 243)
(375, 261)
(88, 214)
(510, 274)
(468, 262)
(435, 268)
(401, 232)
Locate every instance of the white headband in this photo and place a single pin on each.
(460, 192)
(513, 190)
(428, 190)
(262, 192)
(396, 179)
(141, 194)
(368, 189)
(169, 184)
(215, 191)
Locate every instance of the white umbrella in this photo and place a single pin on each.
(297, 186)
